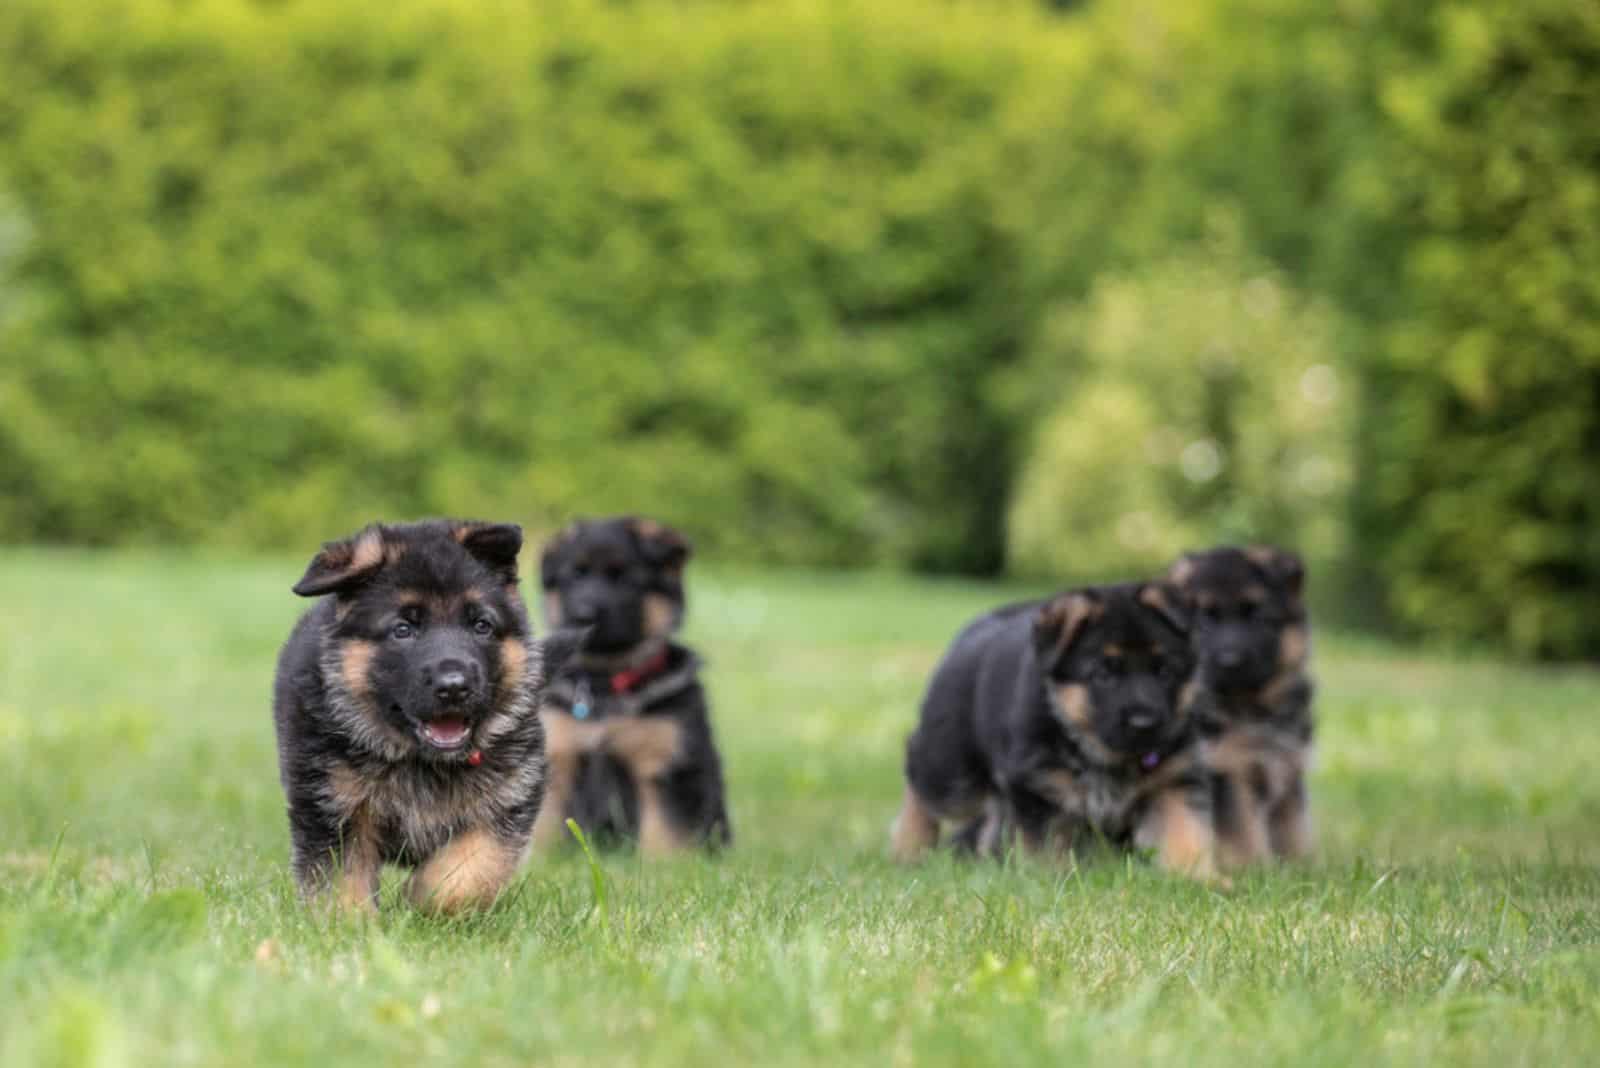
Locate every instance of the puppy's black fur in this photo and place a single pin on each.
(631, 748)
(1253, 637)
(1065, 719)
(406, 712)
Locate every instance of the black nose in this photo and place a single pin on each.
(582, 614)
(450, 682)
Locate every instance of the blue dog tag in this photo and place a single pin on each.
(580, 709)
(580, 700)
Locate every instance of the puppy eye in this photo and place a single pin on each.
(482, 627)
(1248, 610)
(615, 572)
(1213, 612)
(402, 630)
(580, 570)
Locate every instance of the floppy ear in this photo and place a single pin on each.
(1281, 565)
(495, 545)
(1060, 621)
(662, 546)
(554, 549)
(1170, 602)
(1181, 573)
(343, 565)
(558, 647)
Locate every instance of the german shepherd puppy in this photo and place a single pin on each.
(1068, 720)
(1253, 639)
(406, 711)
(627, 727)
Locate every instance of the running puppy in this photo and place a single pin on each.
(406, 710)
(1066, 720)
(1253, 638)
(629, 735)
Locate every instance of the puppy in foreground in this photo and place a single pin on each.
(1253, 638)
(631, 752)
(1065, 722)
(406, 705)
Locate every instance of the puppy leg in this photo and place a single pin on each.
(469, 871)
(565, 739)
(915, 829)
(647, 747)
(338, 855)
(1241, 820)
(1289, 823)
(1177, 824)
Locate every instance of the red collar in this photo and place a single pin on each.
(630, 680)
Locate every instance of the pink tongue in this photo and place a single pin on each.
(445, 731)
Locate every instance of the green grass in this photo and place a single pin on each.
(146, 916)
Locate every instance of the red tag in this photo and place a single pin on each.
(475, 757)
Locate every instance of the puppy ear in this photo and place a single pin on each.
(1169, 601)
(342, 565)
(1182, 571)
(557, 648)
(661, 546)
(1282, 566)
(495, 545)
(554, 551)
(1061, 620)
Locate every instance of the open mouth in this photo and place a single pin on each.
(448, 733)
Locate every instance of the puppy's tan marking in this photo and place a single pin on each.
(1294, 645)
(355, 664)
(915, 829)
(1289, 827)
(469, 871)
(1263, 556)
(1066, 616)
(513, 662)
(566, 741)
(1073, 707)
(552, 608)
(1182, 837)
(359, 863)
(367, 552)
(647, 747)
(346, 791)
(660, 615)
(1188, 696)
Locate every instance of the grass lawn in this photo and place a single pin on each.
(147, 917)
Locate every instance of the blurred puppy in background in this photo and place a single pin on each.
(1065, 722)
(1253, 639)
(628, 732)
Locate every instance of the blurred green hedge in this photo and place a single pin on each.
(294, 265)
(1435, 169)
(795, 274)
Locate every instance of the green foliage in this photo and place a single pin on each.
(1485, 490)
(787, 274)
(1204, 404)
(295, 265)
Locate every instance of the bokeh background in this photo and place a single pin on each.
(1048, 290)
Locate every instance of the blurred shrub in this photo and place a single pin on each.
(1484, 506)
(1203, 403)
(296, 265)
